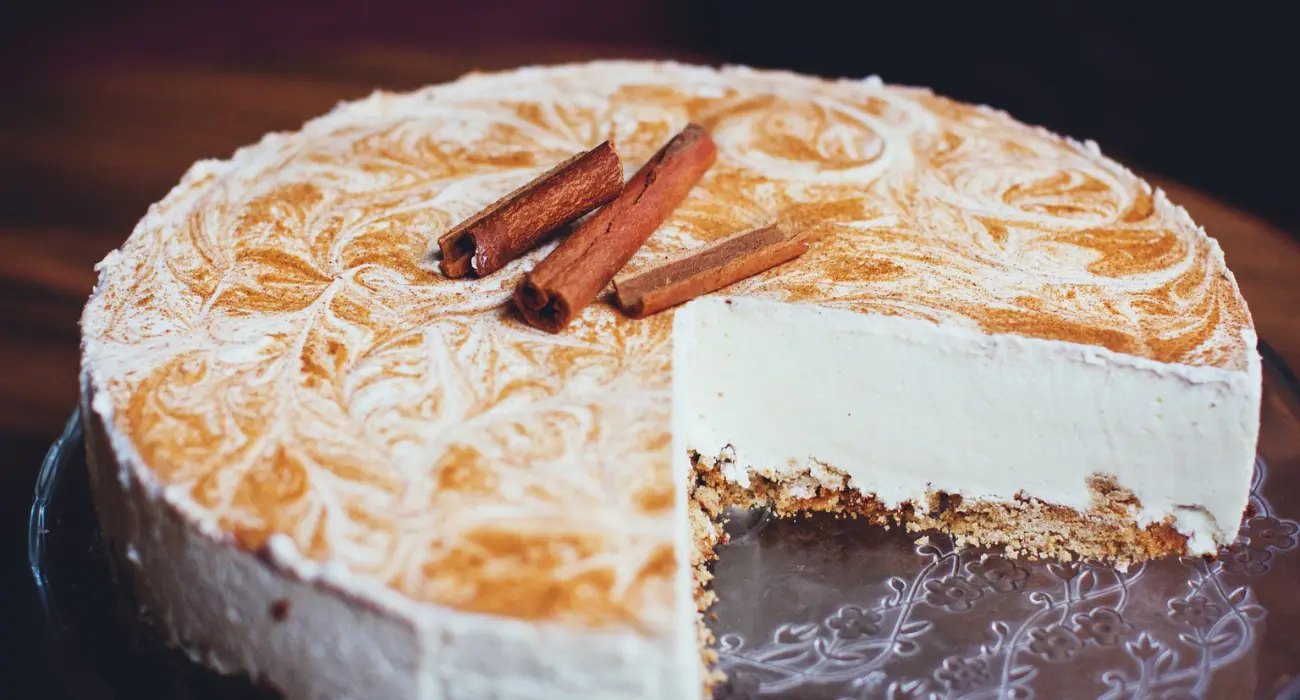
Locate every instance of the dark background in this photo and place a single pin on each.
(1201, 92)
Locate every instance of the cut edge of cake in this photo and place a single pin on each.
(769, 395)
(1108, 522)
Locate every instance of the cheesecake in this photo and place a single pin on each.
(325, 465)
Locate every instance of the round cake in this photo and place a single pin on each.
(324, 464)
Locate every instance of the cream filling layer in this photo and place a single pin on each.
(905, 407)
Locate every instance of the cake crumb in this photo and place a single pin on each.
(280, 610)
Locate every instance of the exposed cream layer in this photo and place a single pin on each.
(283, 365)
(905, 408)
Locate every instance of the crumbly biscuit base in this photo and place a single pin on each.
(1025, 527)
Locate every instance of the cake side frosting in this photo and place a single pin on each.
(283, 363)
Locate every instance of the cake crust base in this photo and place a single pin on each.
(1026, 527)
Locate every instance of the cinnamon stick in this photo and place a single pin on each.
(507, 228)
(708, 269)
(569, 279)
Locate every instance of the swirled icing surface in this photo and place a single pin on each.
(276, 349)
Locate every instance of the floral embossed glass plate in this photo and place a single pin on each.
(837, 609)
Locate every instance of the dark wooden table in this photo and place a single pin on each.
(82, 156)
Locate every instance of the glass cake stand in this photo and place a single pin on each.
(837, 609)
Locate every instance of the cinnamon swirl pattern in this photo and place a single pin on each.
(277, 352)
